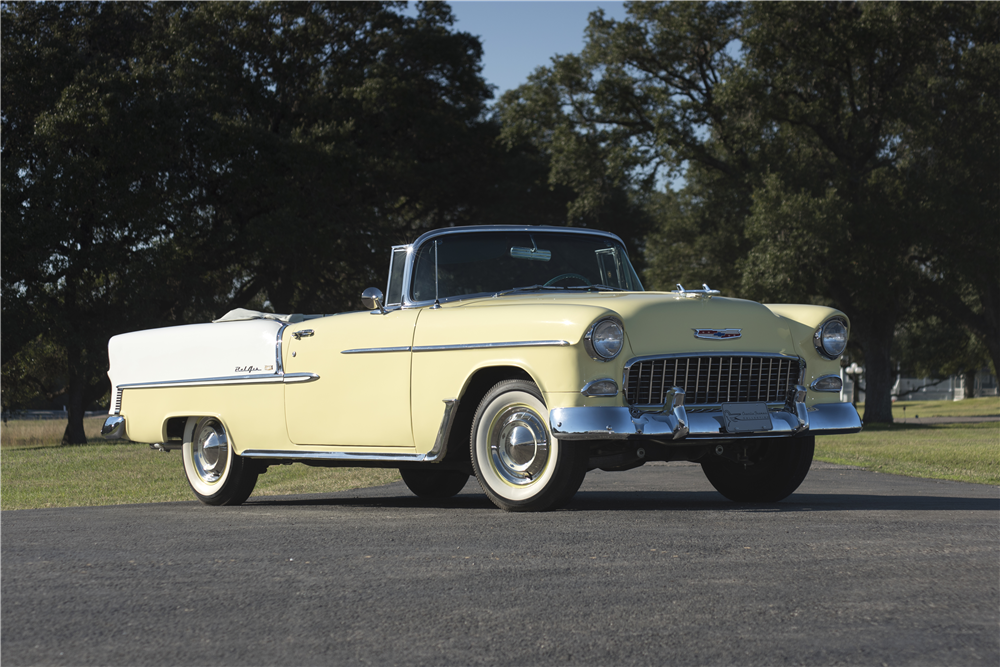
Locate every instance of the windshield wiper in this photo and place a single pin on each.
(571, 288)
(529, 288)
(599, 288)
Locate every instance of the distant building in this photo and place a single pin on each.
(928, 389)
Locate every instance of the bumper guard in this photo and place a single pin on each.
(114, 428)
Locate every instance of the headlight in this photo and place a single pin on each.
(831, 338)
(605, 339)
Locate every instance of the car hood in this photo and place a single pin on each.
(659, 321)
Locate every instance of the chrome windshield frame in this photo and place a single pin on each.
(414, 248)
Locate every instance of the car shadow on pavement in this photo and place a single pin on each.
(709, 500)
(637, 501)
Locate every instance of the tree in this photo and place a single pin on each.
(164, 162)
(809, 132)
(87, 128)
(938, 349)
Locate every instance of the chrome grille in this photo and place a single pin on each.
(711, 379)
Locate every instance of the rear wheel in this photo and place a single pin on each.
(518, 463)
(434, 484)
(775, 467)
(217, 475)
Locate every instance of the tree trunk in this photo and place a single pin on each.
(878, 383)
(875, 334)
(74, 434)
(969, 382)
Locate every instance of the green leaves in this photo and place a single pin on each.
(165, 162)
(811, 137)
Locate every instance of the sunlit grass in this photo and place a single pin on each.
(43, 432)
(962, 452)
(114, 474)
(36, 470)
(972, 407)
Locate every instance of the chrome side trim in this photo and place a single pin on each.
(289, 455)
(299, 378)
(277, 351)
(285, 378)
(376, 350)
(114, 428)
(491, 346)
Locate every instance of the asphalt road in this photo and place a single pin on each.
(647, 567)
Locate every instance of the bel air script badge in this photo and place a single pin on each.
(717, 334)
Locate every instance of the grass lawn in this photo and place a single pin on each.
(37, 471)
(962, 452)
(973, 407)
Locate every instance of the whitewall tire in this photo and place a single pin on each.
(518, 463)
(216, 474)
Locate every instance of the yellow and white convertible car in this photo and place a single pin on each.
(525, 356)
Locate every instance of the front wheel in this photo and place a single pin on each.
(774, 468)
(217, 474)
(518, 463)
(434, 484)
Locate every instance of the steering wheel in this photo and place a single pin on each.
(564, 276)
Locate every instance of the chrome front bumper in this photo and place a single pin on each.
(675, 422)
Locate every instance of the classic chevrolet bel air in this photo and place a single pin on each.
(525, 356)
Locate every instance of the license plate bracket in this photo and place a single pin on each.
(746, 417)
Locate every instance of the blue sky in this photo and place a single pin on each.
(519, 36)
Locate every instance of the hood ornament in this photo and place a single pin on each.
(704, 293)
(718, 334)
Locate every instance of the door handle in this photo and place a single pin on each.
(304, 333)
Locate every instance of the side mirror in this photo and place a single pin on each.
(373, 299)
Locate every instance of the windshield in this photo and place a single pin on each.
(500, 261)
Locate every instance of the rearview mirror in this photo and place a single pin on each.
(531, 253)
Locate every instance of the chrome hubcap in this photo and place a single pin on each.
(211, 451)
(519, 445)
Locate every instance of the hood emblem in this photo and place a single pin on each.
(717, 334)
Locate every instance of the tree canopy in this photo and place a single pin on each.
(840, 153)
(165, 162)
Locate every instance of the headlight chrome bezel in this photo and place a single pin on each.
(825, 337)
(595, 340)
